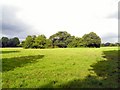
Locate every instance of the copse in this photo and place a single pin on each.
(76, 42)
(91, 40)
(4, 41)
(12, 42)
(28, 43)
(108, 44)
(62, 39)
(39, 41)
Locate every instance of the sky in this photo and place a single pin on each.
(20, 18)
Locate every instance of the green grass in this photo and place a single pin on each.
(60, 68)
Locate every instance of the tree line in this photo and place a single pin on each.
(12, 42)
(61, 39)
(109, 44)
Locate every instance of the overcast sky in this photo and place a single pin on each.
(78, 17)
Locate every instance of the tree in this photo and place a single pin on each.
(112, 44)
(40, 41)
(4, 41)
(76, 42)
(22, 44)
(33, 41)
(117, 44)
(102, 44)
(91, 40)
(13, 42)
(60, 39)
(48, 43)
(28, 42)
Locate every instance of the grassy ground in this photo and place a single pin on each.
(64, 68)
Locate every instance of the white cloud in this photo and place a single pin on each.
(75, 16)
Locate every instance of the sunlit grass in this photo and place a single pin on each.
(62, 67)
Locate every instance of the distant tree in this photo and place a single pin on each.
(117, 44)
(48, 43)
(60, 39)
(112, 44)
(91, 40)
(70, 40)
(28, 42)
(107, 44)
(33, 41)
(13, 42)
(16, 41)
(40, 41)
(102, 45)
(76, 42)
(22, 44)
(10, 43)
(4, 41)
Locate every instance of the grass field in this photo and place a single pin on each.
(60, 68)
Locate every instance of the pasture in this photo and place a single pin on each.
(60, 68)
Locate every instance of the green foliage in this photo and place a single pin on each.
(60, 39)
(63, 39)
(4, 41)
(37, 42)
(28, 42)
(40, 41)
(109, 44)
(12, 42)
(48, 43)
(76, 42)
(22, 44)
(91, 40)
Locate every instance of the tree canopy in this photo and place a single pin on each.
(61, 39)
(12, 42)
(91, 40)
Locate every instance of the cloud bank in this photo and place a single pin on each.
(11, 25)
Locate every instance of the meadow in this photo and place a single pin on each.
(60, 68)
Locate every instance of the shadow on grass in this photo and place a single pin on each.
(88, 82)
(109, 69)
(106, 75)
(11, 63)
(6, 52)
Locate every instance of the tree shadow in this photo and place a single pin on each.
(11, 63)
(106, 70)
(6, 52)
(88, 82)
